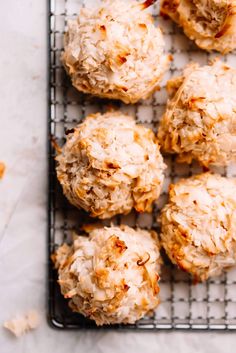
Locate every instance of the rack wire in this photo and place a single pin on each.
(205, 306)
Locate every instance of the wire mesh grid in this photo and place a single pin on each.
(184, 305)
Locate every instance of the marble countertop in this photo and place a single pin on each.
(23, 71)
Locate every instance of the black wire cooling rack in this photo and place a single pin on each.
(210, 305)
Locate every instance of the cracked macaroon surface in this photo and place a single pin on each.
(115, 51)
(111, 276)
(200, 119)
(109, 165)
(210, 23)
(198, 225)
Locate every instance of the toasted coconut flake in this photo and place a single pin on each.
(69, 131)
(143, 261)
(223, 31)
(22, 324)
(200, 120)
(198, 225)
(103, 28)
(110, 165)
(148, 3)
(210, 23)
(109, 55)
(2, 169)
(104, 281)
(55, 144)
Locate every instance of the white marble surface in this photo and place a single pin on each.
(23, 203)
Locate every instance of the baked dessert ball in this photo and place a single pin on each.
(200, 119)
(109, 165)
(210, 23)
(115, 51)
(198, 225)
(112, 275)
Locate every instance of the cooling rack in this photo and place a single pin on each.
(205, 306)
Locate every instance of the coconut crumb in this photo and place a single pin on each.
(2, 169)
(22, 324)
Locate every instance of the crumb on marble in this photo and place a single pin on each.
(2, 169)
(22, 324)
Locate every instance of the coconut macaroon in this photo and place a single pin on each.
(200, 119)
(112, 275)
(115, 51)
(109, 165)
(210, 23)
(198, 225)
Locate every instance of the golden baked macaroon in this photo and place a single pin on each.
(109, 165)
(112, 275)
(115, 51)
(210, 23)
(198, 225)
(200, 119)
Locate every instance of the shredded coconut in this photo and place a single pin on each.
(198, 225)
(112, 275)
(115, 51)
